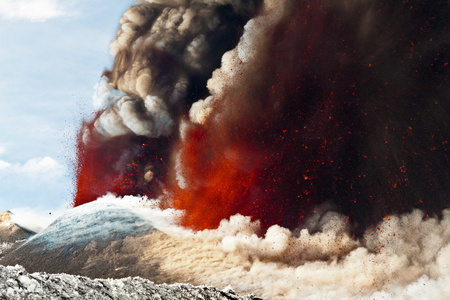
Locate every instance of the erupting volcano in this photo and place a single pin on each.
(272, 108)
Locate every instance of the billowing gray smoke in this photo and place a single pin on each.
(342, 101)
(164, 53)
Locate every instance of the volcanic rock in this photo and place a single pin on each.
(17, 283)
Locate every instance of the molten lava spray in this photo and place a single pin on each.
(302, 104)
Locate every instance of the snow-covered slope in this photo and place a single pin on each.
(89, 241)
(99, 220)
(17, 283)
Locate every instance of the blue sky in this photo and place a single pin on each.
(52, 53)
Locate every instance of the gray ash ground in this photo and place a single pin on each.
(17, 283)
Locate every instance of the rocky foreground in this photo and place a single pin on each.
(17, 283)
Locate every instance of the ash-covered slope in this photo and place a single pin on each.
(17, 283)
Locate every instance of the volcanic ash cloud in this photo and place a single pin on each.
(269, 109)
(164, 52)
(321, 102)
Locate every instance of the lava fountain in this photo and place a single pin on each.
(271, 109)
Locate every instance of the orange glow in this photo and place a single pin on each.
(220, 189)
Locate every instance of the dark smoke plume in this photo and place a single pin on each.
(339, 102)
(164, 53)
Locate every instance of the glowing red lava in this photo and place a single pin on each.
(126, 165)
(321, 118)
(270, 156)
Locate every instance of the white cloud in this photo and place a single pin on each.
(4, 165)
(31, 10)
(42, 168)
(38, 166)
(34, 219)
